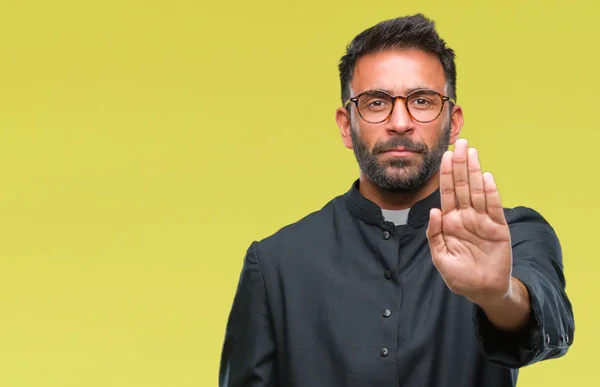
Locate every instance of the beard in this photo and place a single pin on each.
(399, 174)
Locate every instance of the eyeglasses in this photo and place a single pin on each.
(376, 106)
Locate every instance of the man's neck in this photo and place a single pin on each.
(396, 200)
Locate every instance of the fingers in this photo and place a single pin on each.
(492, 197)
(476, 181)
(463, 184)
(461, 174)
(447, 196)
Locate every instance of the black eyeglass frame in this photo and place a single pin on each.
(405, 98)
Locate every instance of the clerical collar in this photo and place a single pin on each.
(398, 217)
(369, 212)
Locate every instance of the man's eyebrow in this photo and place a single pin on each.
(418, 87)
(378, 89)
(371, 91)
(408, 91)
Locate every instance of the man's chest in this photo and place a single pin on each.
(374, 289)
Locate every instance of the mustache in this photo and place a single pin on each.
(401, 141)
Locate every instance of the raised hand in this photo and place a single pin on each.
(469, 237)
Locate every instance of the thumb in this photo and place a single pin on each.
(437, 244)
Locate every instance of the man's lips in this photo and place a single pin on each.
(399, 152)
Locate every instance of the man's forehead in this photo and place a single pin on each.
(398, 71)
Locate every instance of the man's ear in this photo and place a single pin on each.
(342, 117)
(457, 121)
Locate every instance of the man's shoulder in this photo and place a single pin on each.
(527, 223)
(310, 229)
(524, 215)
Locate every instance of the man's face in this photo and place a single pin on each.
(399, 154)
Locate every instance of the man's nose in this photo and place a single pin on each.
(400, 120)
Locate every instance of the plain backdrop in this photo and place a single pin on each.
(145, 144)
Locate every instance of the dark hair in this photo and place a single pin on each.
(406, 32)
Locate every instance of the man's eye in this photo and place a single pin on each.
(422, 101)
(376, 103)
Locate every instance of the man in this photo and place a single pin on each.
(417, 276)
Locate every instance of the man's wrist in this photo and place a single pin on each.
(510, 312)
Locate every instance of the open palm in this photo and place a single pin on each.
(469, 238)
